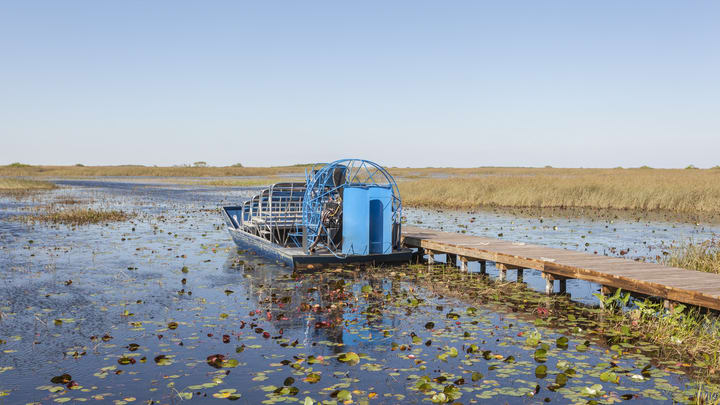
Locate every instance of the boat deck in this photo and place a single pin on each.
(670, 283)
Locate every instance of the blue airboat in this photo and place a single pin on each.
(347, 211)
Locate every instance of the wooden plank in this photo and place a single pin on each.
(673, 284)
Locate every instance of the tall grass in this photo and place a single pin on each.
(703, 256)
(13, 184)
(678, 191)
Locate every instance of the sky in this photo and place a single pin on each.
(402, 83)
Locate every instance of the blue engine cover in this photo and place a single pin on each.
(367, 219)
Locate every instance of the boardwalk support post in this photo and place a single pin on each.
(563, 285)
(638, 278)
(451, 259)
(502, 271)
(549, 283)
(519, 277)
(431, 257)
(463, 264)
(420, 255)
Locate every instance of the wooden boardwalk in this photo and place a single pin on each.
(669, 283)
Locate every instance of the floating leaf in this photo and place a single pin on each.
(344, 395)
(61, 379)
(609, 376)
(351, 358)
(540, 355)
(312, 378)
(541, 371)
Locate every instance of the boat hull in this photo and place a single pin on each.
(297, 259)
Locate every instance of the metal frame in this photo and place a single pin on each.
(273, 214)
(321, 188)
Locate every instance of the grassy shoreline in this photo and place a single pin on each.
(678, 191)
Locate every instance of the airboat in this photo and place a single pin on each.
(347, 211)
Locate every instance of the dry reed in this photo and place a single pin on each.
(678, 191)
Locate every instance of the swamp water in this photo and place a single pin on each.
(164, 309)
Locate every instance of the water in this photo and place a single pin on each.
(132, 311)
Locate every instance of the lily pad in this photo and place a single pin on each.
(350, 358)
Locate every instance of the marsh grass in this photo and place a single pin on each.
(676, 191)
(703, 256)
(15, 185)
(706, 396)
(686, 334)
(77, 216)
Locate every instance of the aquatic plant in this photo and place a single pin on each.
(684, 335)
(69, 200)
(687, 334)
(705, 395)
(78, 216)
(614, 302)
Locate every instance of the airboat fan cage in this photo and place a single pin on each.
(327, 184)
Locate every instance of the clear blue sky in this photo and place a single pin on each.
(509, 83)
